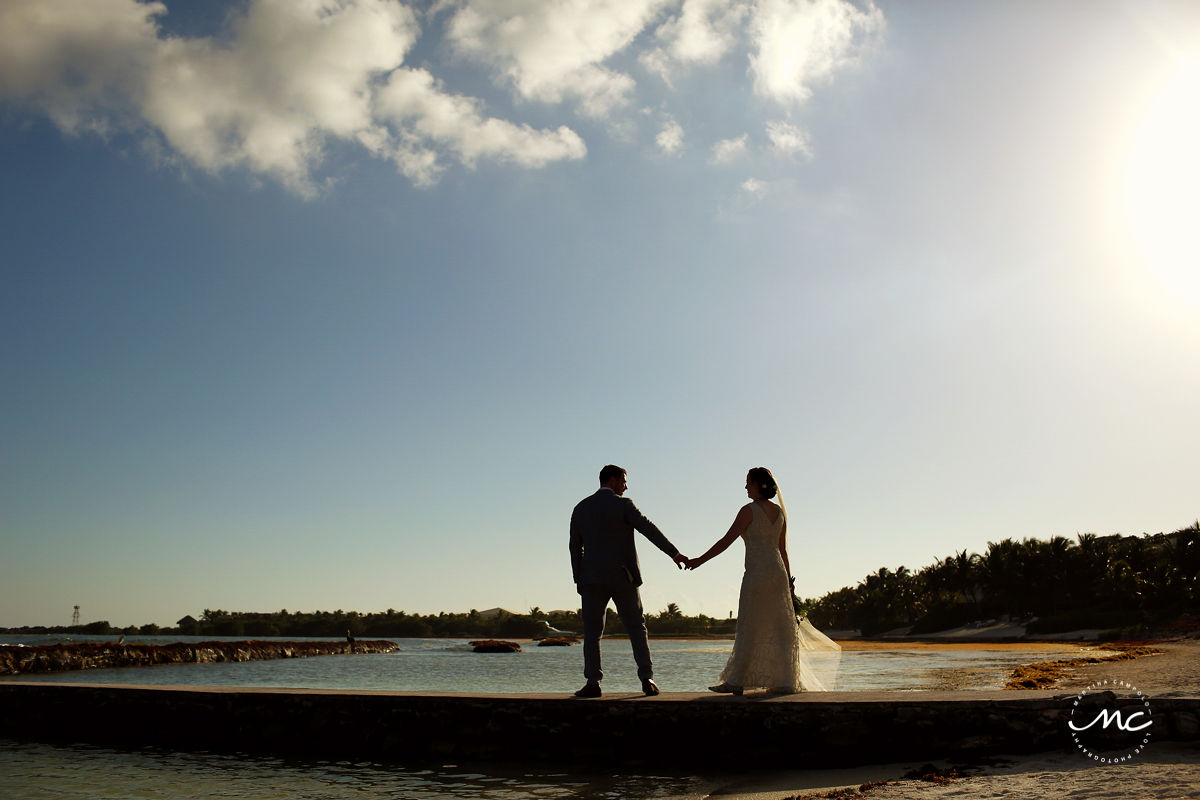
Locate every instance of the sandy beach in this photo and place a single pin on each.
(1174, 673)
(1164, 770)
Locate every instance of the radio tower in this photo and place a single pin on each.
(75, 616)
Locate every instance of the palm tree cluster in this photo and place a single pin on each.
(1054, 585)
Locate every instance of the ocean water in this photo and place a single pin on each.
(449, 665)
(34, 771)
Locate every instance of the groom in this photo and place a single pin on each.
(605, 566)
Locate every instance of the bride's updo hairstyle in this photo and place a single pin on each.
(765, 481)
(767, 485)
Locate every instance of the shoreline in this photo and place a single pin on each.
(1046, 674)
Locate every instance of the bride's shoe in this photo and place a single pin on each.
(725, 688)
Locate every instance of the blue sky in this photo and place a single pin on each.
(344, 304)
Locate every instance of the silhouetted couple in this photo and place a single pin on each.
(769, 640)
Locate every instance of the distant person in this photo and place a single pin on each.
(604, 564)
(768, 645)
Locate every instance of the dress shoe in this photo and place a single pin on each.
(649, 688)
(725, 688)
(590, 689)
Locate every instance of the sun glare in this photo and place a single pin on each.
(1163, 186)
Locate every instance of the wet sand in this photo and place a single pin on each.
(860, 645)
(1174, 673)
(1050, 674)
(1166, 771)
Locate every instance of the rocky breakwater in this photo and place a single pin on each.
(16, 660)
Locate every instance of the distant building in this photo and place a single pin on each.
(188, 625)
(497, 612)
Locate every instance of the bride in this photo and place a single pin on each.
(770, 638)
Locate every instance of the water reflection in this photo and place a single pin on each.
(49, 772)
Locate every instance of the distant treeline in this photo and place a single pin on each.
(392, 624)
(1113, 583)
(1107, 582)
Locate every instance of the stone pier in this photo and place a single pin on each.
(22, 660)
(686, 730)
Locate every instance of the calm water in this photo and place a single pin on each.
(47, 772)
(449, 665)
(38, 771)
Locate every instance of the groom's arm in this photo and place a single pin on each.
(576, 546)
(644, 526)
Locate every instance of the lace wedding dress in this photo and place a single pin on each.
(769, 647)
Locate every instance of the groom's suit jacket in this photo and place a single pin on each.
(602, 545)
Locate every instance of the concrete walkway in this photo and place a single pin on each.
(828, 729)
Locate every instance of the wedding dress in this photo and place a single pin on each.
(770, 647)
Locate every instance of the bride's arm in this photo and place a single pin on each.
(740, 523)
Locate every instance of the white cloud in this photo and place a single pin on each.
(800, 43)
(670, 138)
(789, 140)
(292, 73)
(552, 51)
(413, 101)
(79, 63)
(702, 33)
(754, 187)
(285, 79)
(288, 76)
(729, 150)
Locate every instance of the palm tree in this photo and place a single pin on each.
(1001, 566)
(937, 579)
(966, 577)
(1184, 557)
(1047, 563)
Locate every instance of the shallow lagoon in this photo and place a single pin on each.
(449, 665)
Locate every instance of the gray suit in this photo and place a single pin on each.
(604, 563)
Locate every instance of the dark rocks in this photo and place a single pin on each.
(495, 646)
(558, 641)
(103, 655)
